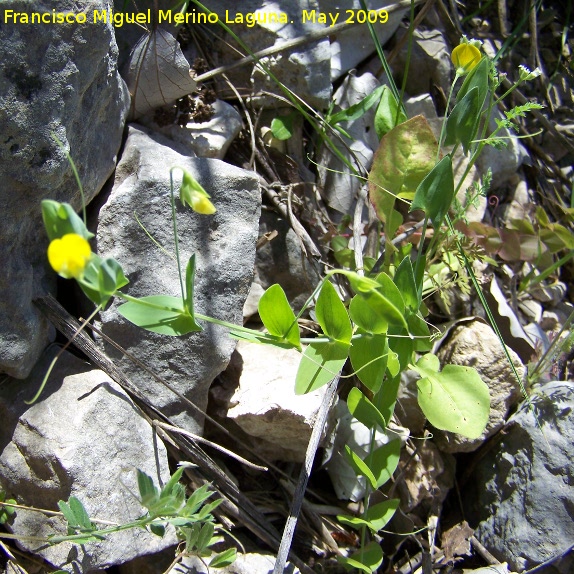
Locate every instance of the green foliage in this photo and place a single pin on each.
(278, 317)
(364, 410)
(6, 512)
(435, 193)
(60, 219)
(381, 327)
(462, 121)
(389, 113)
(282, 127)
(454, 399)
(368, 559)
(322, 360)
(101, 279)
(191, 518)
(162, 314)
(405, 156)
(356, 111)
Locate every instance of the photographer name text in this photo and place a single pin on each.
(249, 19)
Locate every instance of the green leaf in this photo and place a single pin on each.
(462, 123)
(354, 522)
(357, 110)
(172, 484)
(404, 279)
(373, 312)
(6, 511)
(60, 219)
(367, 559)
(455, 399)
(390, 291)
(332, 315)
(419, 329)
(384, 461)
(401, 343)
(360, 467)
(477, 78)
(157, 529)
(205, 512)
(380, 514)
(376, 518)
(364, 410)
(282, 127)
(320, 364)
(78, 522)
(389, 114)
(435, 193)
(191, 536)
(404, 158)
(101, 279)
(224, 558)
(196, 500)
(149, 494)
(204, 538)
(163, 315)
(277, 315)
(369, 355)
(388, 399)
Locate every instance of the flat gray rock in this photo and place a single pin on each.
(83, 438)
(224, 247)
(62, 80)
(521, 494)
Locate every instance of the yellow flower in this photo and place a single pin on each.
(465, 57)
(201, 204)
(69, 255)
(192, 193)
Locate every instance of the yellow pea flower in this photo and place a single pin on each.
(193, 194)
(465, 57)
(201, 204)
(69, 255)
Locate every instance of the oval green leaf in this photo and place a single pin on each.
(332, 315)
(454, 399)
(364, 410)
(161, 314)
(320, 364)
(277, 315)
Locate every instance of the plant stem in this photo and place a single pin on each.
(175, 236)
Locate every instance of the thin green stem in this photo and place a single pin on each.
(175, 236)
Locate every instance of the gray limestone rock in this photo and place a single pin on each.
(306, 70)
(57, 80)
(224, 247)
(350, 47)
(282, 261)
(521, 494)
(83, 438)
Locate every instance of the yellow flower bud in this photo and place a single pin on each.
(69, 255)
(192, 193)
(201, 204)
(465, 57)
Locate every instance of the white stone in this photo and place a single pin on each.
(266, 406)
(204, 139)
(85, 438)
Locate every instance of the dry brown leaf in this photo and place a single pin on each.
(157, 73)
